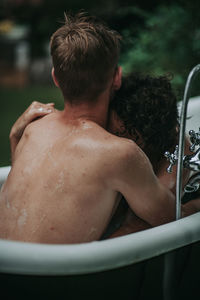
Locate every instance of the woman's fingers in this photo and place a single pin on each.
(34, 111)
(37, 109)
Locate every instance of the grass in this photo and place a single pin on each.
(13, 102)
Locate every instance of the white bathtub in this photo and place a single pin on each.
(128, 267)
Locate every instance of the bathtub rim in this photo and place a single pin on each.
(46, 259)
(25, 258)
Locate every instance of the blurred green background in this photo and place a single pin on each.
(160, 37)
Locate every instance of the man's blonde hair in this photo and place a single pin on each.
(85, 54)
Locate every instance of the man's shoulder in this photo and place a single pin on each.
(115, 143)
(125, 146)
(121, 152)
(127, 154)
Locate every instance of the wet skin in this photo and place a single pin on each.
(72, 175)
(167, 179)
(132, 223)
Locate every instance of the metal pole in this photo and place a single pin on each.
(169, 258)
(181, 147)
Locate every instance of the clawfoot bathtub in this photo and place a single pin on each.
(128, 267)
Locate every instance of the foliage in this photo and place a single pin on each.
(13, 103)
(169, 43)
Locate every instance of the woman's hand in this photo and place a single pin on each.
(34, 111)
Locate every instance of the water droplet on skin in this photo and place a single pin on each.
(22, 218)
(60, 182)
(7, 203)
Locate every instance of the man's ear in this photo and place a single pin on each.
(54, 77)
(117, 79)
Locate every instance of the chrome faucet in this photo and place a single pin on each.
(193, 184)
(190, 161)
(195, 139)
(173, 158)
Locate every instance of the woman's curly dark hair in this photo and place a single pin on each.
(148, 108)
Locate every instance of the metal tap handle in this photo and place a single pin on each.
(172, 158)
(191, 188)
(193, 184)
(195, 139)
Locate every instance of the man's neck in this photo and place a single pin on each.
(96, 111)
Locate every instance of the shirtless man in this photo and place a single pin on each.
(137, 94)
(144, 109)
(68, 172)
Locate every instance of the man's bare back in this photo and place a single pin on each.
(67, 179)
(58, 186)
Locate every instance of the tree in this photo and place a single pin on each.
(169, 43)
